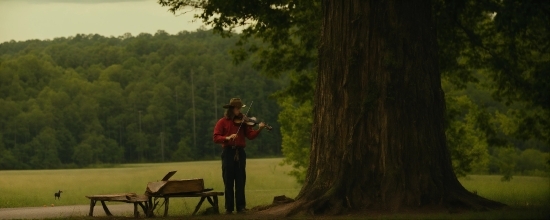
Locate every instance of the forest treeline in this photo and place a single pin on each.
(89, 99)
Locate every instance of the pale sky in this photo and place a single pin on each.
(47, 19)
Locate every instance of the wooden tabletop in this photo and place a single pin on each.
(192, 194)
(122, 197)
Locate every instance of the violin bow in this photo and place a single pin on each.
(242, 121)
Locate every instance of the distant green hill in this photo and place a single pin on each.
(87, 99)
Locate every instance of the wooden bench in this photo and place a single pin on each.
(141, 200)
(212, 198)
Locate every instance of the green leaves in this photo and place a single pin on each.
(507, 160)
(109, 99)
(296, 120)
(466, 142)
(45, 149)
(507, 38)
(289, 30)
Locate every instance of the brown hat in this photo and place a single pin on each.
(235, 102)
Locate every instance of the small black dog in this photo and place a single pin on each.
(58, 195)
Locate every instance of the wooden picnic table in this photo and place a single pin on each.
(161, 189)
(208, 194)
(141, 200)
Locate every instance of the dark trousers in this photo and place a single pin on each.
(234, 177)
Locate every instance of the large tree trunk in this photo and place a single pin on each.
(378, 137)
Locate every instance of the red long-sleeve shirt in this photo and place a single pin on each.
(225, 127)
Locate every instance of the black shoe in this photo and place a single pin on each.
(242, 211)
(228, 212)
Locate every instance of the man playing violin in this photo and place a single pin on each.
(230, 132)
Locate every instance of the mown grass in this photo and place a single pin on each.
(30, 188)
(528, 196)
(521, 191)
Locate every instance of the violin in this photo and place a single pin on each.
(251, 121)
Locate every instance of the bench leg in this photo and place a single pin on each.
(150, 207)
(216, 207)
(92, 204)
(166, 204)
(198, 206)
(106, 209)
(214, 202)
(210, 201)
(144, 208)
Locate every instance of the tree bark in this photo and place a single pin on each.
(378, 138)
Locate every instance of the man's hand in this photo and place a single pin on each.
(262, 125)
(231, 137)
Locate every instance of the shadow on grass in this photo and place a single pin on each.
(506, 213)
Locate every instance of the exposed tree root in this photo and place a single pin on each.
(470, 201)
(334, 205)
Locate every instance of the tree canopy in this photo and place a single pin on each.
(493, 56)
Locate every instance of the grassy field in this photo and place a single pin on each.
(265, 179)
(521, 191)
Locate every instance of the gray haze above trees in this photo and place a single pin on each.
(47, 19)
